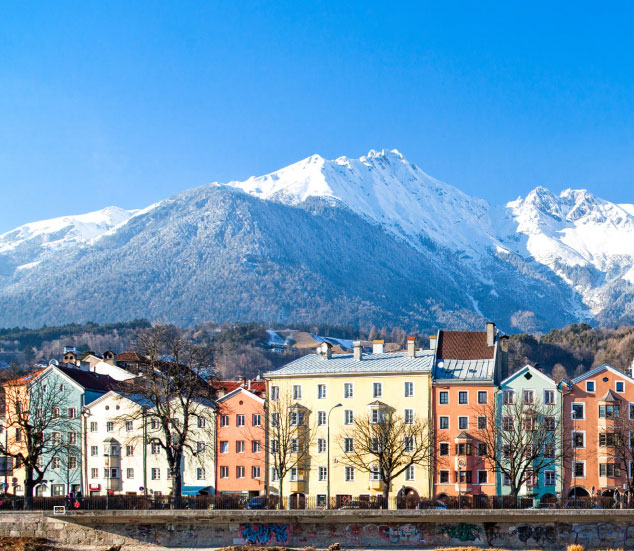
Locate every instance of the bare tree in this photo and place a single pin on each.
(175, 388)
(522, 439)
(385, 444)
(36, 424)
(289, 439)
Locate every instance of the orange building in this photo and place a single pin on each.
(468, 367)
(596, 404)
(240, 460)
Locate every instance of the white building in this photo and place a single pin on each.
(114, 429)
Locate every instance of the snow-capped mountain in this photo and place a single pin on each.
(363, 241)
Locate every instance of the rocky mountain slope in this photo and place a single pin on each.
(362, 241)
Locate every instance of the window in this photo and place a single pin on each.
(348, 445)
(508, 397)
(297, 418)
(506, 480)
(550, 423)
(463, 423)
(275, 419)
(224, 446)
(321, 445)
(443, 397)
(579, 468)
(256, 420)
(71, 437)
(348, 417)
(578, 439)
(619, 386)
(202, 422)
(94, 473)
(224, 420)
(255, 446)
(129, 451)
(590, 386)
(72, 413)
(297, 445)
(483, 477)
(93, 426)
(224, 472)
(549, 397)
(506, 450)
(375, 473)
(110, 426)
(610, 470)
(201, 447)
(94, 451)
(377, 390)
(409, 417)
(409, 389)
(443, 449)
(549, 478)
(274, 474)
(631, 411)
(410, 473)
(464, 477)
(297, 392)
(239, 471)
(528, 396)
(239, 446)
(156, 473)
(275, 393)
(349, 474)
(200, 473)
(275, 445)
(111, 449)
(408, 444)
(240, 420)
(463, 397)
(321, 392)
(443, 422)
(378, 415)
(129, 473)
(129, 426)
(323, 474)
(56, 412)
(443, 477)
(154, 423)
(482, 422)
(549, 450)
(347, 390)
(528, 423)
(155, 448)
(578, 411)
(321, 501)
(463, 448)
(531, 479)
(321, 418)
(482, 449)
(57, 437)
(609, 411)
(483, 396)
(56, 463)
(255, 472)
(609, 439)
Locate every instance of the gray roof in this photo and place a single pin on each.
(465, 370)
(609, 397)
(388, 362)
(598, 370)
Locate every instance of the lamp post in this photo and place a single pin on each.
(328, 455)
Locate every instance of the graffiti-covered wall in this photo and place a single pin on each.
(373, 529)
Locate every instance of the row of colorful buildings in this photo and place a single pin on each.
(457, 387)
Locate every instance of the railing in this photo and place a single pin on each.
(299, 501)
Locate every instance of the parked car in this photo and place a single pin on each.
(431, 504)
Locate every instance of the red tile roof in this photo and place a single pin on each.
(25, 378)
(129, 356)
(257, 387)
(464, 345)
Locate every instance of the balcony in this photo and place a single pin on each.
(376, 485)
(297, 486)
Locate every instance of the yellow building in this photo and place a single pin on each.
(328, 392)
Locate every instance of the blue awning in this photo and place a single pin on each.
(196, 490)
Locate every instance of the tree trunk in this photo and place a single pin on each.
(28, 487)
(386, 494)
(281, 492)
(177, 486)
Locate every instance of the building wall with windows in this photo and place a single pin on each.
(318, 383)
(594, 405)
(240, 443)
(531, 387)
(121, 458)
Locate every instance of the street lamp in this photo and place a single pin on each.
(328, 455)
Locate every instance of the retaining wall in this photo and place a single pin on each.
(365, 529)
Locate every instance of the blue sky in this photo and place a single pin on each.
(126, 103)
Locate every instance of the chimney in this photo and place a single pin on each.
(490, 333)
(411, 347)
(325, 350)
(378, 347)
(358, 350)
(433, 342)
(538, 367)
(249, 384)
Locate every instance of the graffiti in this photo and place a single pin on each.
(538, 533)
(264, 532)
(462, 531)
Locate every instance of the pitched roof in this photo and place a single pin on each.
(610, 397)
(599, 369)
(528, 369)
(25, 378)
(465, 370)
(130, 356)
(257, 387)
(464, 436)
(387, 362)
(88, 380)
(464, 345)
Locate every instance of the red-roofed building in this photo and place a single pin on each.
(241, 455)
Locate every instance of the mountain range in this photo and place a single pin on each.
(368, 241)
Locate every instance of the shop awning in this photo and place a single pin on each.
(196, 490)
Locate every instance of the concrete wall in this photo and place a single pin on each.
(369, 529)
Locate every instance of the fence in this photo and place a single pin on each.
(299, 501)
